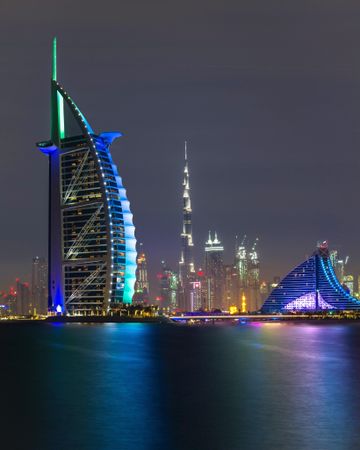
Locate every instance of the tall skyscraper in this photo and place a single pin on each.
(141, 294)
(92, 254)
(338, 265)
(39, 294)
(254, 297)
(248, 271)
(231, 295)
(196, 295)
(348, 283)
(186, 265)
(168, 281)
(24, 305)
(253, 266)
(214, 272)
(241, 260)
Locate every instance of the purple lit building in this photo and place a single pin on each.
(311, 286)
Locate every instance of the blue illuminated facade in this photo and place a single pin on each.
(311, 286)
(92, 246)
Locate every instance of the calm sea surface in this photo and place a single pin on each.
(163, 387)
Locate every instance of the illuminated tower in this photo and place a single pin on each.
(338, 265)
(243, 304)
(242, 264)
(23, 303)
(254, 297)
(39, 276)
(142, 284)
(168, 281)
(186, 265)
(253, 267)
(92, 255)
(214, 272)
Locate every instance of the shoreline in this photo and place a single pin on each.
(86, 319)
(167, 320)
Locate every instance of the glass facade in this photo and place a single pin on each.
(92, 254)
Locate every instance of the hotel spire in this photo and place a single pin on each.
(54, 68)
(57, 103)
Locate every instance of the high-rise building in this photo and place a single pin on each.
(231, 295)
(196, 296)
(24, 305)
(241, 261)
(141, 294)
(348, 283)
(254, 299)
(92, 254)
(338, 265)
(248, 270)
(214, 273)
(253, 267)
(169, 284)
(186, 264)
(174, 290)
(333, 256)
(39, 294)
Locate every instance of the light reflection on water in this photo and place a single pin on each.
(146, 386)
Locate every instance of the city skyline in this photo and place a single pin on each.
(200, 262)
(180, 253)
(246, 136)
(187, 260)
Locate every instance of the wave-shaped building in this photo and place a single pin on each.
(311, 286)
(92, 246)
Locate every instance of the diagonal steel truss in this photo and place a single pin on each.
(81, 238)
(79, 291)
(73, 187)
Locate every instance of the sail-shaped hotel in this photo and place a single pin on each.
(92, 247)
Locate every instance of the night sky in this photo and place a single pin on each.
(267, 94)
